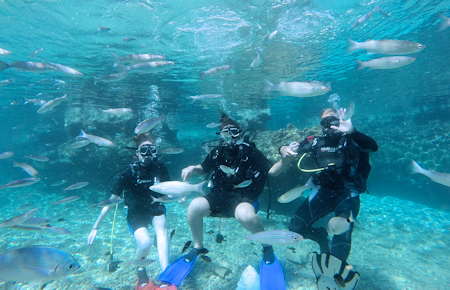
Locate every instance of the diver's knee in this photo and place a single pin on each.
(244, 212)
(199, 206)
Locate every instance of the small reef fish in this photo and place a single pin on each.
(169, 198)
(150, 67)
(177, 188)
(77, 185)
(61, 182)
(4, 51)
(296, 192)
(34, 53)
(243, 184)
(366, 17)
(136, 58)
(217, 71)
(258, 59)
(140, 263)
(108, 202)
(445, 22)
(207, 97)
(103, 28)
(6, 154)
(66, 70)
(34, 67)
(205, 258)
(147, 125)
(112, 77)
(213, 125)
(229, 171)
(276, 237)
(385, 46)
(186, 246)
(349, 112)
(37, 158)
(6, 82)
(27, 168)
(437, 177)
(171, 151)
(17, 220)
(47, 107)
(171, 235)
(21, 182)
(96, 140)
(389, 62)
(58, 230)
(36, 264)
(269, 37)
(118, 111)
(339, 225)
(128, 39)
(35, 222)
(67, 199)
(297, 89)
(437, 139)
(77, 144)
(36, 102)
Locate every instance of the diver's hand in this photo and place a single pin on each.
(186, 173)
(92, 236)
(344, 126)
(290, 150)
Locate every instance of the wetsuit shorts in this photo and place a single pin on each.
(223, 203)
(142, 218)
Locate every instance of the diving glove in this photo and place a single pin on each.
(333, 274)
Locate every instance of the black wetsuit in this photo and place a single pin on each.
(249, 164)
(134, 183)
(346, 162)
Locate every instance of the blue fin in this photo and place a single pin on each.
(178, 271)
(271, 276)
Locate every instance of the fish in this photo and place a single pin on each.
(243, 184)
(36, 102)
(339, 225)
(4, 51)
(77, 144)
(67, 199)
(36, 264)
(21, 182)
(269, 37)
(77, 185)
(367, 16)
(57, 230)
(171, 235)
(35, 222)
(216, 71)
(339, 281)
(445, 22)
(37, 158)
(385, 46)
(34, 67)
(258, 59)
(213, 125)
(136, 58)
(128, 39)
(108, 202)
(17, 220)
(171, 151)
(205, 258)
(275, 237)
(27, 168)
(437, 139)
(297, 89)
(112, 77)
(150, 67)
(3, 65)
(118, 111)
(438, 177)
(47, 107)
(207, 97)
(177, 188)
(6, 154)
(103, 28)
(26, 206)
(6, 82)
(389, 62)
(229, 171)
(140, 263)
(169, 198)
(34, 53)
(148, 124)
(186, 246)
(349, 112)
(66, 70)
(96, 140)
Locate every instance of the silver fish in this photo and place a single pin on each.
(118, 111)
(34, 53)
(213, 125)
(36, 102)
(77, 144)
(150, 67)
(269, 37)
(297, 89)
(67, 199)
(171, 151)
(108, 202)
(438, 177)
(37, 158)
(47, 107)
(349, 112)
(207, 97)
(385, 46)
(77, 185)
(229, 171)
(339, 225)
(27, 168)
(137, 58)
(103, 28)
(4, 51)
(35, 67)
(243, 184)
(6, 154)
(96, 140)
(35, 222)
(367, 16)
(17, 220)
(389, 62)
(128, 39)
(36, 264)
(58, 183)
(147, 125)
(169, 198)
(177, 188)
(217, 71)
(57, 230)
(296, 192)
(20, 182)
(112, 77)
(258, 59)
(276, 237)
(66, 70)
(445, 22)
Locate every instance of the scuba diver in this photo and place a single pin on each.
(142, 210)
(237, 172)
(342, 155)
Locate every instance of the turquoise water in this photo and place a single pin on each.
(404, 109)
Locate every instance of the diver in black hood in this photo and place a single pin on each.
(342, 157)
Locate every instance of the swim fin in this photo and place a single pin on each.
(178, 271)
(271, 276)
(143, 282)
(333, 273)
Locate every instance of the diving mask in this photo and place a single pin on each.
(233, 131)
(329, 121)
